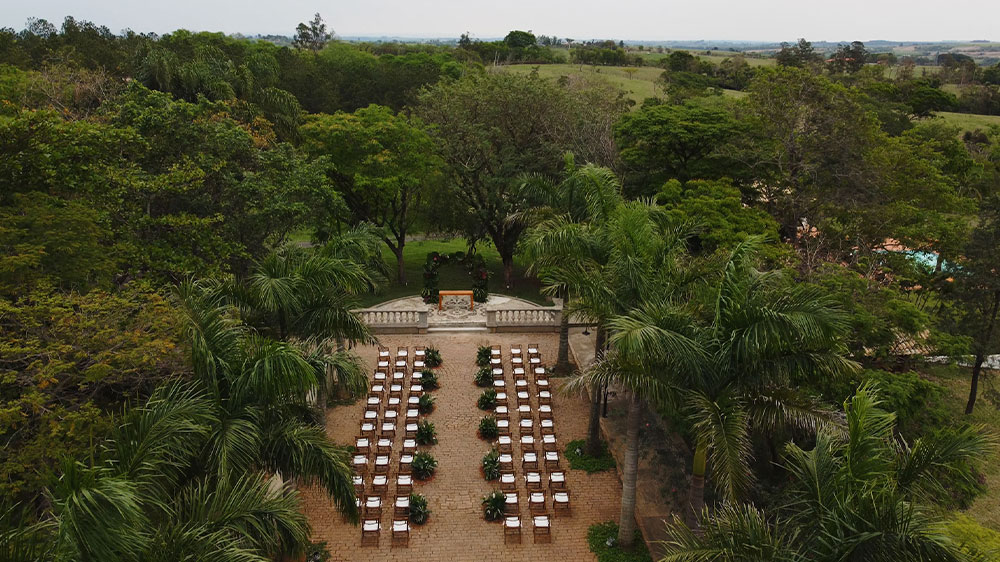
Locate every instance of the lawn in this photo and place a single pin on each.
(986, 508)
(638, 82)
(452, 276)
(968, 121)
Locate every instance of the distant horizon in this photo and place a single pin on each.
(772, 21)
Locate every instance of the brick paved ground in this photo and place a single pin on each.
(456, 529)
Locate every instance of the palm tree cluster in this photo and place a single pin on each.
(859, 494)
(207, 469)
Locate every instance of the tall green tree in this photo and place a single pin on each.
(384, 165)
(312, 36)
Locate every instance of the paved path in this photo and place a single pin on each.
(456, 529)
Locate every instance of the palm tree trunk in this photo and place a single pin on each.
(696, 497)
(977, 368)
(593, 446)
(562, 360)
(626, 520)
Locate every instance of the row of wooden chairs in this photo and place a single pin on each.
(541, 529)
(371, 530)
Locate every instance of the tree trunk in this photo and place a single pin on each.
(977, 368)
(594, 426)
(626, 521)
(562, 360)
(987, 337)
(508, 270)
(400, 268)
(696, 495)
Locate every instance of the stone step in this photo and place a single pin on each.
(456, 328)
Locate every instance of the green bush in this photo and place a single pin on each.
(419, 512)
(426, 434)
(978, 541)
(488, 428)
(918, 403)
(424, 465)
(429, 380)
(483, 356)
(484, 377)
(432, 357)
(426, 404)
(493, 505)
(578, 459)
(598, 535)
(491, 465)
(487, 400)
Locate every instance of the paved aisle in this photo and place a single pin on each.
(456, 529)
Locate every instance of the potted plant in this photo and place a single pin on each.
(426, 434)
(483, 355)
(493, 505)
(491, 465)
(429, 380)
(488, 428)
(432, 357)
(487, 400)
(484, 377)
(426, 404)
(423, 466)
(419, 512)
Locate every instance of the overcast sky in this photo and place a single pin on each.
(764, 20)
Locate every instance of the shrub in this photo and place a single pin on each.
(432, 357)
(426, 434)
(487, 400)
(419, 512)
(491, 465)
(598, 536)
(493, 505)
(424, 465)
(483, 356)
(484, 377)
(488, 428)
(579, 460)
(426, 404)
(429, 380)
(318, 552)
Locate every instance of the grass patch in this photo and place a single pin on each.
(968, 121)
(452, 276)
(597, 538)
(578, 460)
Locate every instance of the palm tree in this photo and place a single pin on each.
(766, 336)
(639, 284)
(860, 495)
(567, 235)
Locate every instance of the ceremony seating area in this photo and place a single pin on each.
(530, 462)
(383, 452)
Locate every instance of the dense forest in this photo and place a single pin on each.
(188, 220)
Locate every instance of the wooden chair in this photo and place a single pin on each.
(498, 373)
(540, 374)
(362, 446)
(540, 529)
(400, 364)
(529, 462)
(524, 411)
(528, 443)
(501, 398)
(523, 399)
(406, 463)
(411, 431)
(383, 447)
(503, 427)
(501, 412)
(374, 402)
(516, 360)
(510, 506)
(373, 508)
(412, 414)
(545, 412)
(400, 532)
(536, 503)
(402, 351)
(409, 446)
(391, 416)
(516, 349)
(383, 351)
(419, 351)
(519, 373)
(507, 482)
(388, 430)
(413, 402)
(494, 350)
(392, 404)
(534, 360)
(533, 481)
(360, 464)
(527, 426)
(369, 532)
(551, 460)
(542, 384)
(544, 398)
(416, 390)
(495, 360)
(395, 390)
(505, 444)
(533, 348)
(376, 391)
(380, 376)
(368, 430)
(380, 485)
(506, 462)
(548, 427)
(512, 530)
(401, 509)
(549, 442)
(382, 464)
(557, 480)
(359, 484)
(560, 504)
(404, 485)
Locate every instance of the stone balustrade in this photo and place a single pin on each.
(536, 319)
(394, 321)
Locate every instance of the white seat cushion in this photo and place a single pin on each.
(370, 525)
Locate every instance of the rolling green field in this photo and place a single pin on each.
(639, 82)
(968, 121)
